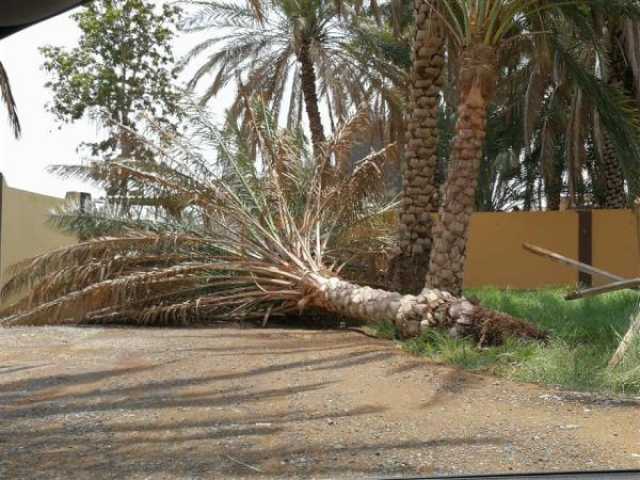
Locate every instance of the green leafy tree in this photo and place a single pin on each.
(121, 68)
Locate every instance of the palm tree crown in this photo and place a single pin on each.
(302, 54)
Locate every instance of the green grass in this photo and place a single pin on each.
(584, 335)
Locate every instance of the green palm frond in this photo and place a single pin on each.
(351, 55)
(9, 101)
(207, 13)
(618, 113)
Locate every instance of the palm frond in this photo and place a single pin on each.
(9, 101)
(618, 113)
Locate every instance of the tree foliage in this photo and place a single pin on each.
(121, 67)
(265, 53)
(246, 235)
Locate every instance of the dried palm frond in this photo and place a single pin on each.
(233, 244)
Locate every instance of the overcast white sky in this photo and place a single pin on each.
(23, 162)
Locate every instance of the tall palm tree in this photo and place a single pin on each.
(619, 42)
(477, 29)
(299, 52)
(578, 118)
(408, 266)
(9, 101)
(620, 29)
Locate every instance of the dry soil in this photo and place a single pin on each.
(94, 403)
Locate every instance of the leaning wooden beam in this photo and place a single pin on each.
(583, 267)
(627, 341)
(634, 330)
(611, 287)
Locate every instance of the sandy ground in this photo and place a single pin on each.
(244, 403)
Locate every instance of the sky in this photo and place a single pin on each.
(23, 162)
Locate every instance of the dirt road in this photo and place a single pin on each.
(243, 403)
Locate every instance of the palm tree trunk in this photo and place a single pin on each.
(408, 266)
(552, 192)
(308, 86)
(414, 314)
(476, 86)
(612, 176)
(530, 186)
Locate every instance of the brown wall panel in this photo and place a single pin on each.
(496, 257)
(615, 244)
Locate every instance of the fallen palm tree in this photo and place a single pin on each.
(254, 240)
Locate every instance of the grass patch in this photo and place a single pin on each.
(584, 335)
(386, 330)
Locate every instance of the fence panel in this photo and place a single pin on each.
(496, 257)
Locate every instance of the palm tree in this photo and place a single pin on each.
(576, 118)
(251, 244)
(477, 29)
(620, 70)
(612, 176)
(408, 266)
(10, 103)
(299, 52)
(481, 32)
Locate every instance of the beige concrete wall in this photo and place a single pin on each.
(496, 257)
(495, 253)
(24, 230)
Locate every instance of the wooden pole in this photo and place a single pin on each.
(634, 329)
(610, 287)
(627, 341)
(583, 267)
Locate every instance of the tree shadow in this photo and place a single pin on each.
(210, 452)
(343, 360)
(8, 369)
(259, 424)
(287, 349)
(453, 382)
(165, 419)
(594, 399)
(34, 384)
(60, 387)
(72, 405)
(408, 366)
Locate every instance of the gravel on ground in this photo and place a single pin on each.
(236, 403)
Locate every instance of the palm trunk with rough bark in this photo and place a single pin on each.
(612, 176)
(414, 314)
(310, 94)
(408, 266)
(476, 86)
(553, 193)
